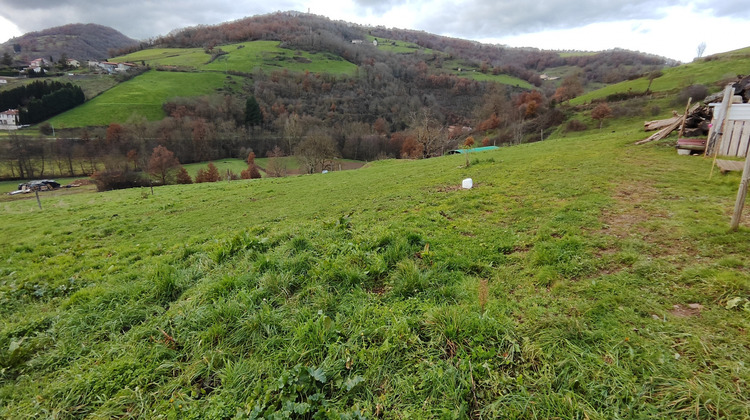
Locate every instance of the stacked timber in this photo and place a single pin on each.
(697, 120)
(696, 124)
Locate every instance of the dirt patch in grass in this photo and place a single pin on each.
(690, 310)
(629, 214)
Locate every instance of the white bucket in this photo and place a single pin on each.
(467, 184)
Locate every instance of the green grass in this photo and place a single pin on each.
(92, 84)
(357, 292)
(140, 96)
(500, 78)
(578, 54)
(234, 165)
(399, 47)
(244, 57)
(723, 68)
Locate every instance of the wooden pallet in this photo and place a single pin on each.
(729, 165)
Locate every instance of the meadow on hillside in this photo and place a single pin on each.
(244, 57)
(713, 71)
(142, 96)
(582, 277)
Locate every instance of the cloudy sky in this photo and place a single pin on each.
(671, 28)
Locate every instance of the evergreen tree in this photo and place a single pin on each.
(253, 116)
(7, 60)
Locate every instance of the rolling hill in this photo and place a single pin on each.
(79, 41)
(581, 277)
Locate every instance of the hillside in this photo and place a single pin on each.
(79, 41)
(714, 71)
(582, 277)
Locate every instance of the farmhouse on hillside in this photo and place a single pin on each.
(72, 62)
(111, 67)
(38, 65)
(9, 119)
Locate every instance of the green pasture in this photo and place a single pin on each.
(399, 47)
(577, 54)
(704, 71)
(244, 57)
(223, 165)
(581, 277)
(500, 78)
(140, 96)
(92, 84)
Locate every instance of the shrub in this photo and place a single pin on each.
(183, 177)
(697, 92)
(575, 125)
(210, 174)
(117, 180)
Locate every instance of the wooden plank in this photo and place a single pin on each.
(718, 122)
(741, 195)
(684, 118)
(726, 138)
(729, 165)
(744, 140)
(734, 142)
(664, 132)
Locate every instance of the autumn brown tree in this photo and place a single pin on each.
(601, 113)
(569, 88)
(210, 174)
(183, 177)
(163, 164)
(252, 171)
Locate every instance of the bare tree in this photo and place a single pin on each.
(701, 49)
(316, 152)
(430, 133)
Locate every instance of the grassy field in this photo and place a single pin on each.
(500, 78)
(725, 67)
(582, 277)
(234, 165)
(244, 57)
(142, 95)
(92, 84)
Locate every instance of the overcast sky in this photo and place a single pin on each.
(671, 28)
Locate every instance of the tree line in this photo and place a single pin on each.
(40, 100)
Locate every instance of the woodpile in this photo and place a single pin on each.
(697, 119)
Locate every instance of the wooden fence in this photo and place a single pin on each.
(734, 130)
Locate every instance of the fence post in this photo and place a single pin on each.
(741, 194)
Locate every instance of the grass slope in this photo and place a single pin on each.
(558, 287)
(706, 71)
(142, 95)
(244, 57)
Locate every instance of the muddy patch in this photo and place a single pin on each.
(686, 311)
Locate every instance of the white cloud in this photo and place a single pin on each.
(8, 29)
(672, 28)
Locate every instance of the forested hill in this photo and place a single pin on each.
(79, 41)
(317, 33)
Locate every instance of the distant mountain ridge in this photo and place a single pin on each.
(80, 41)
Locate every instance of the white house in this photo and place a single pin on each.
(124, 66)
(9, 119)
(38, 64)
(72, 62)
